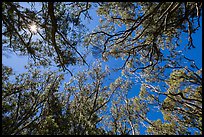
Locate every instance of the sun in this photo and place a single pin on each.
(33, 28)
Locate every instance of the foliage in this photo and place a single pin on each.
(146, 36)
(58, 28)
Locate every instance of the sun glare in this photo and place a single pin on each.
(33, 28)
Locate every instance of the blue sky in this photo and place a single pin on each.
(18, 63)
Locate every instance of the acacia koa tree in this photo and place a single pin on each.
(146, 36)
(58, 31)
(35, 104)
(26, 99)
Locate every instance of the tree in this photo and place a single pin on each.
(182, 106)
(32, 106)
(148, 43)
(25, 99)
(146, 36)
(58, 26)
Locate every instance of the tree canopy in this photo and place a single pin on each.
(145, 38)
